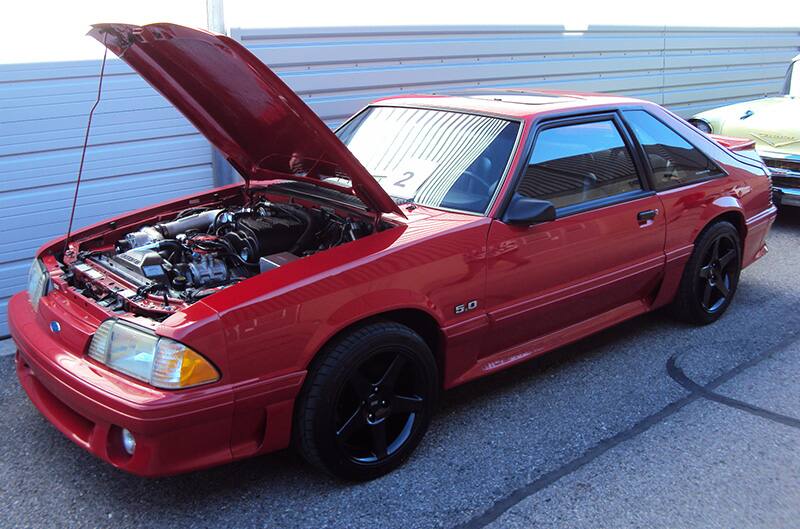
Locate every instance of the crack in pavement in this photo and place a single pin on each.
(677, 374)
(696, 392)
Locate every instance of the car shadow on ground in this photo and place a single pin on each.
(788, 217)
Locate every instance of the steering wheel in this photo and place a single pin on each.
(476, 184)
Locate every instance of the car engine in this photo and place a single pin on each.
(204, 250)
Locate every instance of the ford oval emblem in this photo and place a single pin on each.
(55, 326)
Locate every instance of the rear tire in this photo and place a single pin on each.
(711, 275)
(367, 402)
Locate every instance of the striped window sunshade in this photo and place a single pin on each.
(389, 140)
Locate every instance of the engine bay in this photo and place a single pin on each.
(161, 267)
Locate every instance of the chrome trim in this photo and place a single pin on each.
(782, 158)
(710, 128)
(785, 173)
(773, 155)
(785, 196)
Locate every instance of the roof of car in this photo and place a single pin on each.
(516, 102)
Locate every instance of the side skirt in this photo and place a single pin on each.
(548, 342)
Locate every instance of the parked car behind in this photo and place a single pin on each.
(774, 124)
(326, 300)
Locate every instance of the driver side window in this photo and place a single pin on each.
(573, 164)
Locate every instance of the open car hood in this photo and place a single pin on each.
(263, 128)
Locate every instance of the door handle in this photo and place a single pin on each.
(646, 215)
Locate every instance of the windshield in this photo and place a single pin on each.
(792, 85)
(432, 157)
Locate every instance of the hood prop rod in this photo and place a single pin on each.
(85, 145)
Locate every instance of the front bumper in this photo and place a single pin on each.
(175, 431)
(785, 173)
(786, 196)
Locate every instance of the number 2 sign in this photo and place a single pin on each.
(408, 177)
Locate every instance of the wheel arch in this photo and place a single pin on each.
(728, 210)
(684, 301)
(418, 320)
(733, 216)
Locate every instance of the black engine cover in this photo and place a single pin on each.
(258, 236)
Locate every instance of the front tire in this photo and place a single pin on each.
(711, 275)
(367, 402)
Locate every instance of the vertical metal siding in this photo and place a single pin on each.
(141, 151)
(338, 70)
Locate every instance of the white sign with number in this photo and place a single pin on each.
(408, 177)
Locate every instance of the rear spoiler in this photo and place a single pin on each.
(734, 144)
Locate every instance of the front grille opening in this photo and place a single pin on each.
(79, 427)
(787, 165)
(779, 180)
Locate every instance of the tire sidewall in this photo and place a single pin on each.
(690, 284)
(352, 355)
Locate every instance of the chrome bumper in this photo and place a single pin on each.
(785, 172)
(786, 196)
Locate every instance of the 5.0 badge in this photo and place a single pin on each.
(466, 307)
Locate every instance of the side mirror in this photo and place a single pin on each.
(525, 210)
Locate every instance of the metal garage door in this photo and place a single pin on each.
(141, 151)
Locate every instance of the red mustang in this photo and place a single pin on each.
(327, 300)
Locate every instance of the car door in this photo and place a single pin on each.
(603, 252)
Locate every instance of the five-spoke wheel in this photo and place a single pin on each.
(367, 402)
(378, 408)
(716, 275)
(711, 275)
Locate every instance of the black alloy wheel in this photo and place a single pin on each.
(716, 276)
(367, 402)
(376, 411)
(711, 275)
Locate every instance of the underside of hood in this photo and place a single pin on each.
(263, 128)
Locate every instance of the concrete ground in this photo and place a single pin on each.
(6, 347)
(650, 424)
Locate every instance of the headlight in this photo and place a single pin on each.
(702, 124)
(162, 362)
(38, 282)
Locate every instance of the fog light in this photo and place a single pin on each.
(128, 441)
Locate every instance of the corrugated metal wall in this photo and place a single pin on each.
(338, 70)
(141, 151)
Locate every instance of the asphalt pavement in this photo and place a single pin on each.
(650, 424)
